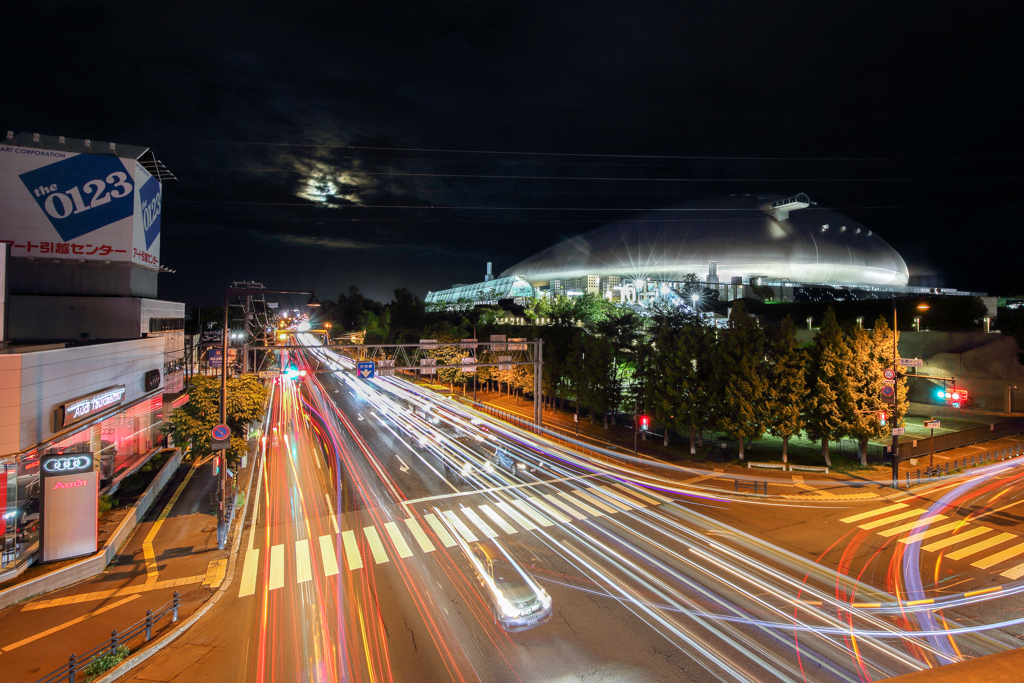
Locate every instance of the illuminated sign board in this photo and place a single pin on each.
(87, 406)
(68, 505)
(67, 464)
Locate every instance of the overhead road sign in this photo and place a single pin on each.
(911, 362)
(365, 370)
(220, 437)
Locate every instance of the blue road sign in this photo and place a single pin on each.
(364, 370)
(221, 432)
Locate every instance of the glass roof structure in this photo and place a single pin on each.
(509, 287)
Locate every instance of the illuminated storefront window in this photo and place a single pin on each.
(120, 443)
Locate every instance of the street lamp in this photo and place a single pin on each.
(222, 527)
(896, 394)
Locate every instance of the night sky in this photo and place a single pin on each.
(387, 145)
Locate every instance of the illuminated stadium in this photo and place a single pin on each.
(747, 236)
(737, 246)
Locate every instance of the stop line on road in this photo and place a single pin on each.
(470, 523)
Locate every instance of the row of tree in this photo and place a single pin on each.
(746, 381)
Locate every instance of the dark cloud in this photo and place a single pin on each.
(293, 127)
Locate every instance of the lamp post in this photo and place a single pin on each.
(896, 394)
(222, 526)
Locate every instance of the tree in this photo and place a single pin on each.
(739, 373)
(680, 376)
(787, 383)
(592, 372)
(830, 404)
(881, 338)
(193, 422)
(866, 382)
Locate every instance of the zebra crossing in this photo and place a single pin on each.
(426, 532)
(900, 518)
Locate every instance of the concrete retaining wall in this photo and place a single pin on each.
(91, 566)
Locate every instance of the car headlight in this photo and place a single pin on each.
(506, 608)
(545, 600)
(521, 465)
(466, 469)
(489, 468)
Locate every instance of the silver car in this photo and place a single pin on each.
(517, 601)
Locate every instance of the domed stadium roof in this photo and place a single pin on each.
(764, 236)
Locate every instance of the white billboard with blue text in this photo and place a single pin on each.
(64, 205)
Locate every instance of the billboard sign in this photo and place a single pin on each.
(68, 512)
(64, 205)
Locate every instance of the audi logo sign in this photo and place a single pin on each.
(86, 406)
(53, 465)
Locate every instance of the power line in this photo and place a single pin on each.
(557, 154)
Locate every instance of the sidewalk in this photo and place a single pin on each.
(710, 472)
(173, 549)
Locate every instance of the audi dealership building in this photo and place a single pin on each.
(90, 359)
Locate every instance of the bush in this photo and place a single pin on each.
(133, 482)
(107, 503)
(106, 662)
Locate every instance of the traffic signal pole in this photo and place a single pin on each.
(895, 402)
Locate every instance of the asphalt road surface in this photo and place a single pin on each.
(354, 562)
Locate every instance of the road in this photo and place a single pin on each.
(353, 567)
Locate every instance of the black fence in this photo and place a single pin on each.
(916, 448)
(113, 650)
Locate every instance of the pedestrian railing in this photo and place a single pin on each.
(756, 486)
(113, 650)
(960, 464)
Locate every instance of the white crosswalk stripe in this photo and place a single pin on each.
(532, 512)
(276, 578)
(514, 514)
(479, 523)
(497, 519)
(460, 527)
(581, 505)
(421, 537)
(352, 557)
(328, 556)
(376, 545)
(396, 537)
(594, 500)
(446, 539)
(248, 584)
(568, 508)
(303, 569)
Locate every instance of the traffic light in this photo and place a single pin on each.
(216, 465)
(645, 422)
(881, 418)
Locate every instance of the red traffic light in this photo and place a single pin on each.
(216, 465)
(645, 422)
(881, 418)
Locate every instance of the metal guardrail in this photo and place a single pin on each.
(966, 462)
(81, 664)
